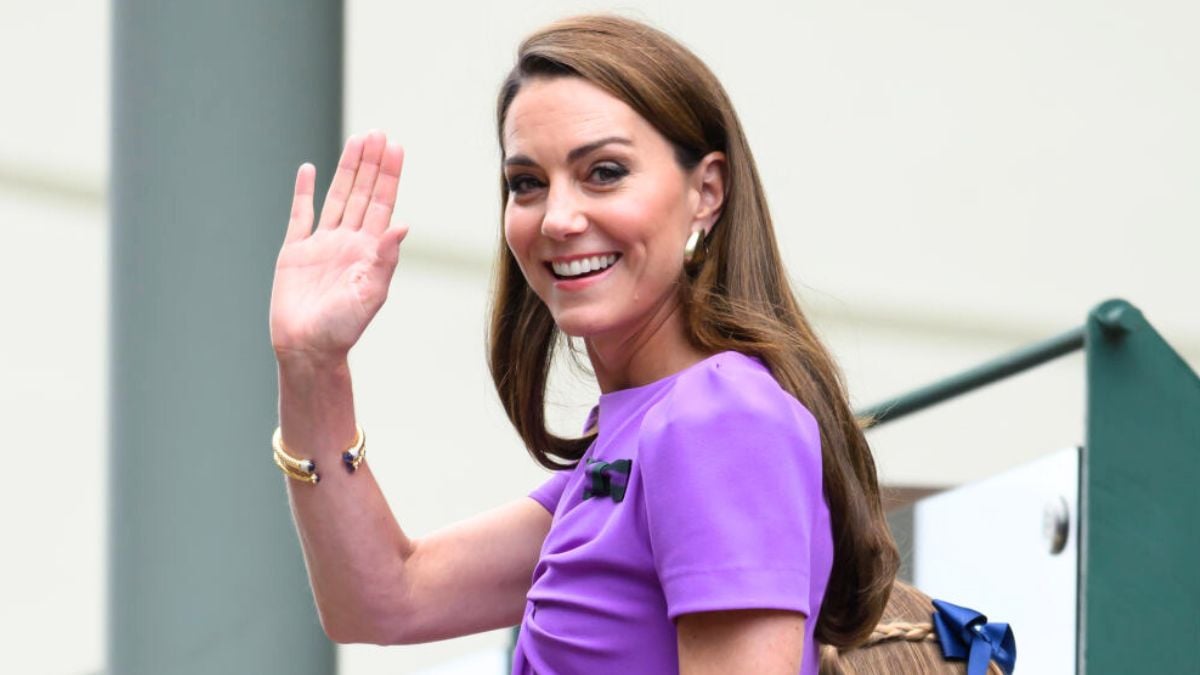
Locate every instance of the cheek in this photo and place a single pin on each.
(648, 221)
(661, 227)
(520, 230)
(516, 230)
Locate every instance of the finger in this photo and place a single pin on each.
(364, 180)
(383, 199)
(300, 223)
(339, 188)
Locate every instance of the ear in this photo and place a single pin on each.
(707, 184)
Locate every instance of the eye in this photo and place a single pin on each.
(608, 172)
(523, 183)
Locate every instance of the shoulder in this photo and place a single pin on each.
(729, 399)
(729, 392)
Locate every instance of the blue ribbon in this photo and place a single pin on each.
(966, 634)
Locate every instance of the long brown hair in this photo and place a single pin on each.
(904, 642)
(739, 299)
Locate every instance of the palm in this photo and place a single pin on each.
(331, 281)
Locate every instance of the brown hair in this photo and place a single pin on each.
(904, 642)
(739, 299)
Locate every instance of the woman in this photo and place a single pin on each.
(721, 512)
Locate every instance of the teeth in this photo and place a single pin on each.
(583, 265)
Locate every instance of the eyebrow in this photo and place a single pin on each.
(524, 160)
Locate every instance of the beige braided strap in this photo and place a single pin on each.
(901, 630)
(888, 632)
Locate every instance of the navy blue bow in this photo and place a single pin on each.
(607, 479)
(966, 634)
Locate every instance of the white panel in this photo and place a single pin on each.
(984, 546)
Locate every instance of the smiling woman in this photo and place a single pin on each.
(619, 142)
(720, 512)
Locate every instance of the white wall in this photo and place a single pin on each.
(53, 330)
(53, 266)
(949, 181)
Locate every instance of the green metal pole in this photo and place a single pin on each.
(215, 105)
(970, 380)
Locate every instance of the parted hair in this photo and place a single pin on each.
(903, 642)
(739, 299)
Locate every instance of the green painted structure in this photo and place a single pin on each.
(1139, 584)
(1139, 556)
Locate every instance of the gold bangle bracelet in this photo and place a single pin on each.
(306, 469)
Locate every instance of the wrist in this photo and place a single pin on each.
(315, 384)
(308, 364)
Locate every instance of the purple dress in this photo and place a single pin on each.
(721, 507)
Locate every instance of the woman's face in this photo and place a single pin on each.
(598, 209)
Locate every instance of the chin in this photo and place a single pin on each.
(576, 330)
(579, 325)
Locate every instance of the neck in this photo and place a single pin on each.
(653, 350)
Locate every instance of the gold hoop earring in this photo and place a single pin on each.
(695, 250)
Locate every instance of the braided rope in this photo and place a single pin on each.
(901, 630)
(888, 632)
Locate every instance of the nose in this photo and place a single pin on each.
(564, 216)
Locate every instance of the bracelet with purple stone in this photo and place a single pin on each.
(354, 456)
(310, 478)
(306, 469)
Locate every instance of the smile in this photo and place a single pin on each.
(583, 267)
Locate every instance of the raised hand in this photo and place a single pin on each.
(330, 282)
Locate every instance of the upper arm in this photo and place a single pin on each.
(471, 576)
(737, 521)
(766, 642)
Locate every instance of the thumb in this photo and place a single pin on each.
(300, 222)
(389, 242)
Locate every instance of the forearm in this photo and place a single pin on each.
(370, 581)
(354, 549)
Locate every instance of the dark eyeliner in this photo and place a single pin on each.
(615, 170)
(516, 182)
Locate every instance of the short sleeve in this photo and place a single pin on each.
(731, 472)
(548, 493)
